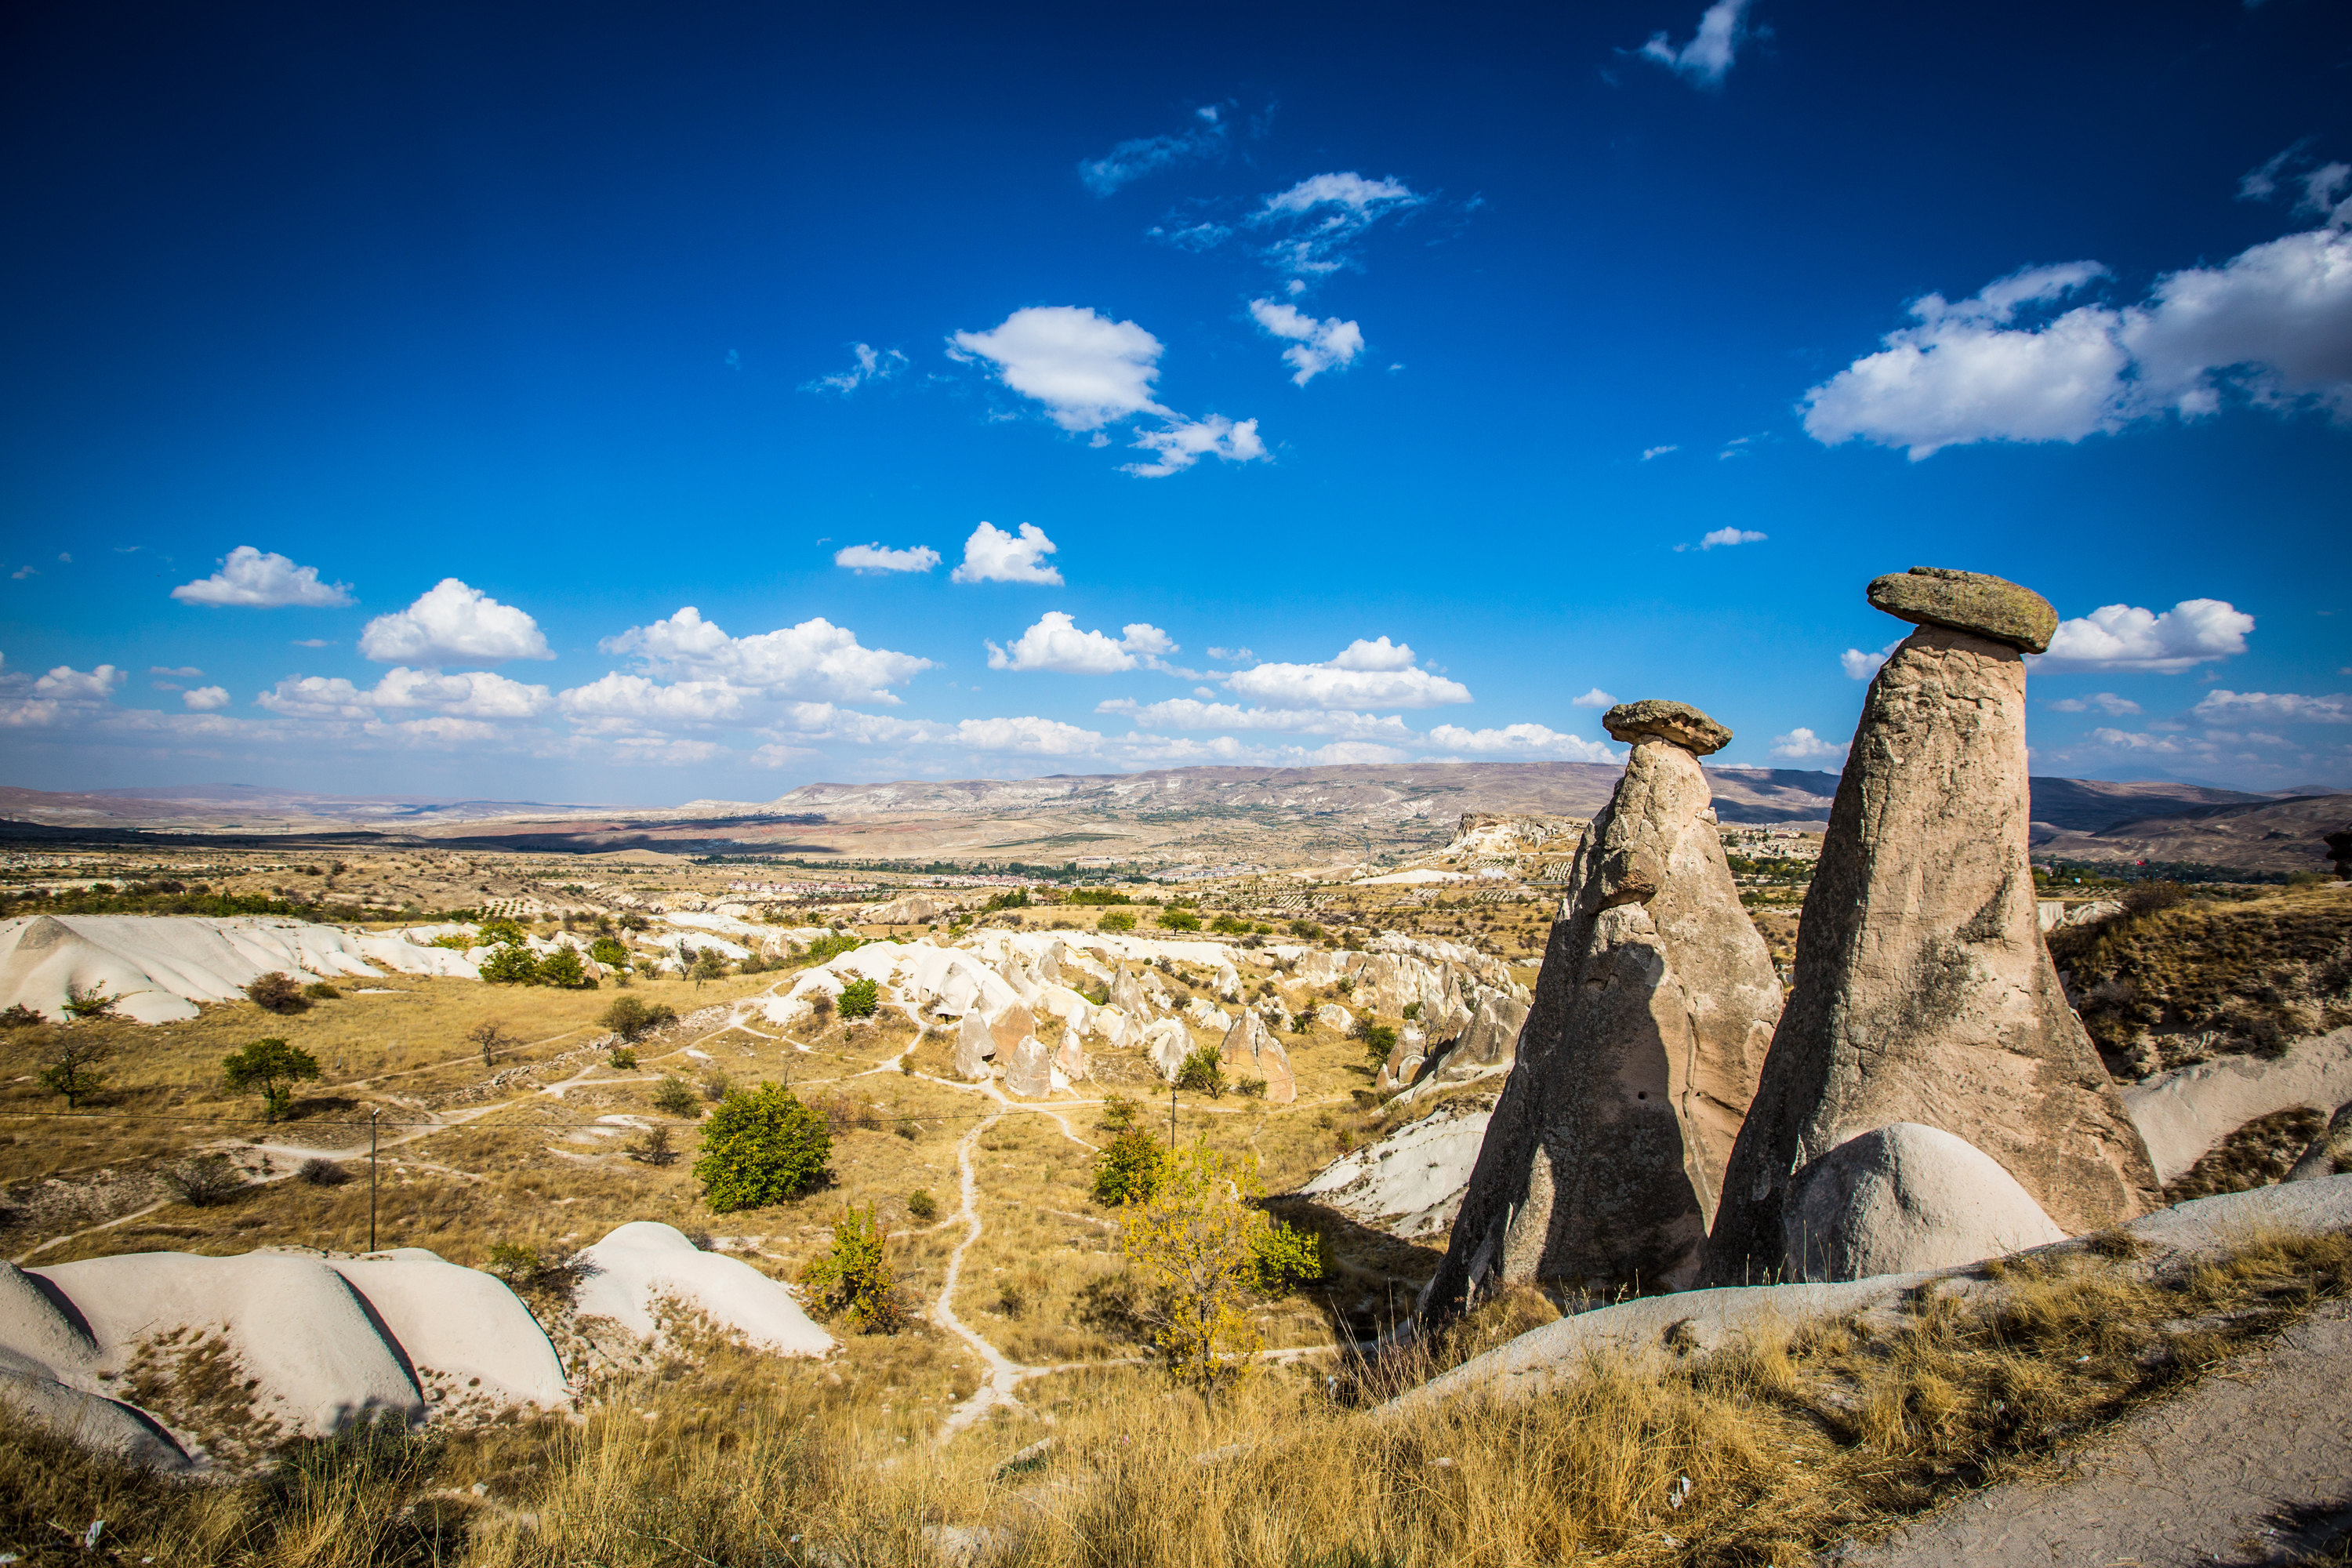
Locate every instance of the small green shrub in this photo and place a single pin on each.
(274, 1068)
(270, 993)
(1202, 1072)
(854, 1279)
(320, 991)
(1118, 920)
(1130, 1169)
(633, 1018)
(923, 1206)
(562, 968)
(675, 1097)
(513, 964)
(622, 1058)
(1179, 919)
(859, 999)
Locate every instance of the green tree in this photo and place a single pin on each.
(1179, 919)
(70, 1067)
(859, 999)
(854, 1279)
(513, 965)
(1229, 925)
(1305, 929)
(499, 931)
(1196, 1244)
(760, 1148)
(1128, 1168)
(608, 951)
(709, 964)
(562, 967)
(274, 1068)
(1202, 1072)
(1378, 1040)
(1118, 920)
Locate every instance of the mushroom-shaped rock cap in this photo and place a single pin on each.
(1973, 602)
(1680, 722)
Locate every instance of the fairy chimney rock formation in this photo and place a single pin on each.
(1657, 998)
(1249, 1051)
(1923, 992)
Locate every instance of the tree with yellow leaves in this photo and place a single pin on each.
(1204, 1251)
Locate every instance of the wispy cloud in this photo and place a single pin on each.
(1207, 137)
(875, 557)
(1706, 59)
(871, 365)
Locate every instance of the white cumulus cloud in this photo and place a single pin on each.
(1801, 745)
(1860, 666)
(2124, 637)
(453, 624)
(263, 580)
(2220, 706)
(992, 555)
(814, 658)
(1056, 643)
(877, 558)
(67, 684)
(2106, 702)
(206, 699)
(1708, 56)
(2273, 322)
(1731, 536)
(1364, 675)
(1090, 371)
(468, 694)
(1596, 697)
(1315, 346)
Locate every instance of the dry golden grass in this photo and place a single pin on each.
(1771, 1450)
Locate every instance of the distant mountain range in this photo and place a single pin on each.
(1227, 811)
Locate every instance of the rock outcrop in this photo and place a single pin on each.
(1029, 1068)
(1657, 997)
(1249, 1051)
(2330, 1153)
(1923, 991)
(975, 1049)
(1905, 1197)
(1167, 1044)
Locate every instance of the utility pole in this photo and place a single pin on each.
(371, 1181)
(1172, 1116)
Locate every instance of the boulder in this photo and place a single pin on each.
(1113, 1027)
(975, 1047)
(1651, 1016)
(1070, 1059)
(643, 1265)
(1029, 1072)
(1977, 603)
(1901, 1198)
(2330, 1153)
(1249, 1051)
(1331, 1015)
(1923, 992)
(1167, 1043)
(1680, 722)
(1010, 1026)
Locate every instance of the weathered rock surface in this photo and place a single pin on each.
(1127, 996)
(1923, 991)
(1249, 1051)
(1649, 1025)
(2330, 1153)
(975, 1046)
(1905, 1197)
(1409, 1183)
(1167, 1043)
(1490, 1041)
(1973, 602)
(1680, 722)
(1029, 1069)
(2185, 1112)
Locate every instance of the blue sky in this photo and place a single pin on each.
(479, 401)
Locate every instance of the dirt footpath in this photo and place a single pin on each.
(2252, 1466)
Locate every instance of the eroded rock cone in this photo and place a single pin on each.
(1923, 992)
(1249, 1051)
(1651, 1017)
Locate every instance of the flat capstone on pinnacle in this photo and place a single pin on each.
(1973, 602)
(1654, 719)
